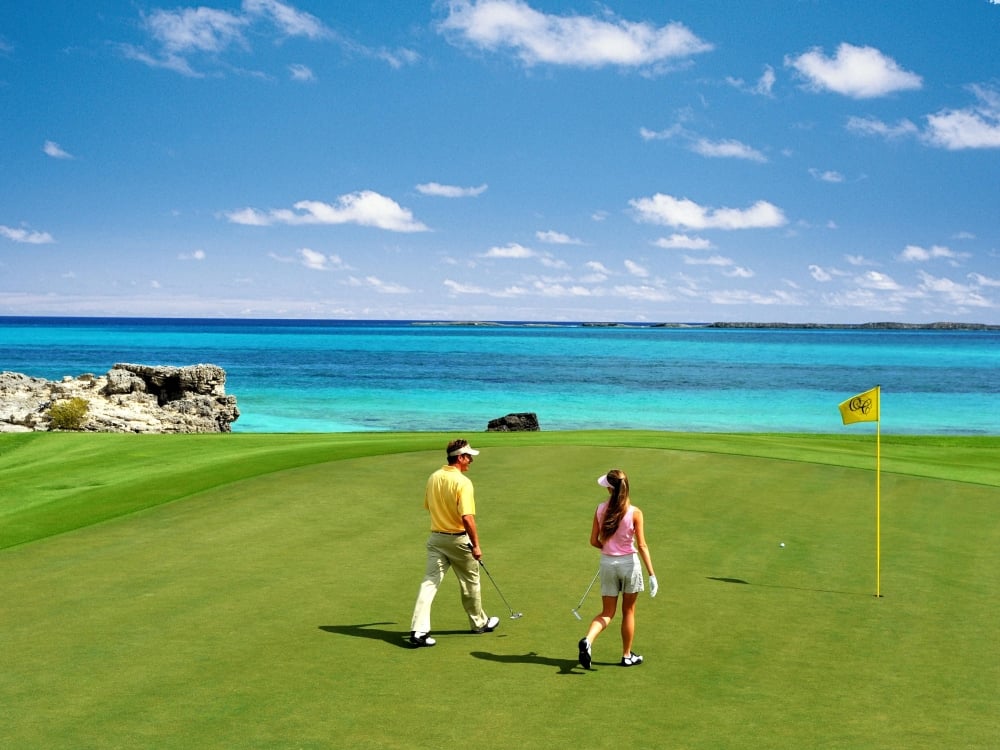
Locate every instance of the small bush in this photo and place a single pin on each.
(68, 415)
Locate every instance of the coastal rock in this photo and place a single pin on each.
(521, 422)
(129, 398)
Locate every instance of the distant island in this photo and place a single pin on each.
(881, 326)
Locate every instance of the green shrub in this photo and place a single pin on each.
(68, 415)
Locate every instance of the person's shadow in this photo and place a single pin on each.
(392, 637)
(400, 639)
(565, 666)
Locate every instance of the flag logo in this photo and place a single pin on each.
(861, 408)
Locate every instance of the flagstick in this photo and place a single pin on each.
(878, 497)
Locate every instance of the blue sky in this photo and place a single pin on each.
(697, 160)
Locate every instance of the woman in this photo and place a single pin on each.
(618, 532)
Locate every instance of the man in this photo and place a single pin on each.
(454, 542)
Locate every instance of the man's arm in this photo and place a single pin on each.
(469, 522)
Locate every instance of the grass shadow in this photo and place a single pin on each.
(565, 666)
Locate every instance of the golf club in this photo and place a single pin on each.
(592, 582)
(513, 615)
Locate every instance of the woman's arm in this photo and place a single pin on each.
(640, 541)
(595, 534)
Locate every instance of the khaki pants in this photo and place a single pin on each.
(449, 551)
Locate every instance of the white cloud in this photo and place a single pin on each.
(511, 251)
(56, 151)
(317, 261)
(635, 269)
(917, 254)
(660, 135)
(820, 274)
(981, 280)
(712, 260)
(859, 260)
(874, 126)
(536, 37)
(557, 238)
(857, 72)
(876, 280)
(378, 285)
(450, 191)
(301, 72)
(196, 255)
(642, 293)
(763, 87)
(289, 20)
(953, 292)
(25, 236)
(681, 212)
(827, 175)
(973, 127)
(181, 34)
(683, 242)
(365, 207)
(727, 149)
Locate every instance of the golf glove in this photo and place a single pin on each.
(653, 586)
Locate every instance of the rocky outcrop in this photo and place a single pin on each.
(522, 422)
(129, 398)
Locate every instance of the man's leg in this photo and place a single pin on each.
(467, 571)
(437, 566)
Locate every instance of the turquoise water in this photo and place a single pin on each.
(341, 376)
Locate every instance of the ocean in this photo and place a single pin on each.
(350, 376)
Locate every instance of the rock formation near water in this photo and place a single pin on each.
(129, 398)
(521, 422)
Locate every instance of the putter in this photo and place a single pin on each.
(592, 582)
(513, 615)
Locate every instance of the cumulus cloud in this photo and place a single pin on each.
(635, 269)
(683, 242)
(196, 255)
(365, 208)
(557, 238)
(583, 41)
(876, 280)
(511, 251)
(726, 149)
(952, 291)
(317, 261)
(917, 254)
(53, 149)
(974, 127)
(450, 191)
(720, 149)
(977, 126)
(857, 72)
(763, 87)
(681, 212)
(26, 236)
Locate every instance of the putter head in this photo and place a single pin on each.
(576, 614)
(517, 615)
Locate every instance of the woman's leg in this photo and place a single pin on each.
(599, 623)
(628, 622)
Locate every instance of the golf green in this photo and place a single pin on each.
(255, 592)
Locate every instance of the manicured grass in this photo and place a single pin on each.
(255, 590)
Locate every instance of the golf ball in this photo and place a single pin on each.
(782, 544)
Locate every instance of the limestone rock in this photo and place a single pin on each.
(521, 422)
(129, 398)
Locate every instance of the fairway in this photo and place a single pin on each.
(256, 593)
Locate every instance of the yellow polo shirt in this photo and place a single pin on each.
(449, 496)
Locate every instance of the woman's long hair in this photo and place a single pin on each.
(617, 504)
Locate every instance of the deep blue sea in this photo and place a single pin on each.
(344, 376)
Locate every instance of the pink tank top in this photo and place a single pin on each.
(623, 541)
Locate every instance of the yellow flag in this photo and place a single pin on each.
(861, 408)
